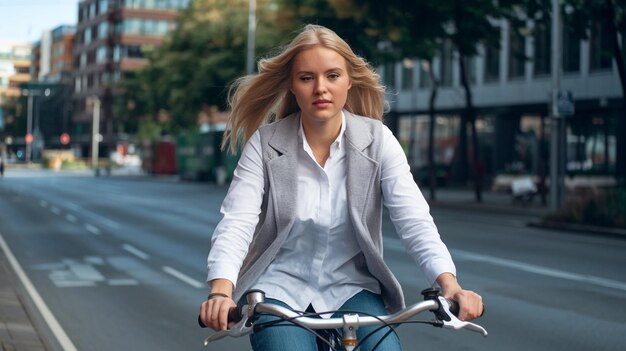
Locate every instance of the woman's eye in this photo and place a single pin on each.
(305, 78)
(333, 76)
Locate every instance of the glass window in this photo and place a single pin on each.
(162, 27)
(571, 51)
(133, 51)
(445, 66)
(470, 69)
(517, 48)
(149, 27)
(101, 54)
(117, 53)
(103, 30)
(542, 56)
(104, 6)
(390, 74)
(87, 36)
(600, 48)
(407, 74)
(425, 80)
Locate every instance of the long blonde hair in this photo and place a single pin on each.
(260, 98)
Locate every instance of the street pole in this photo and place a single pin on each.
(95, 137)
(251, 36)
(557, 132)
(29, 126)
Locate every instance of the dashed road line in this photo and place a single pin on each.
(183, 277)
(43, 203)
(71, 218)
(92, 229)
(55, 210)
(135, 251)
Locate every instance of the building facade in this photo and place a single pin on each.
(111, 38)
(512, 98)
(14, 71)
(15, 62)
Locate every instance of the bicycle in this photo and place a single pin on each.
(444, 310)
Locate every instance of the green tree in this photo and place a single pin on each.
(192, 70)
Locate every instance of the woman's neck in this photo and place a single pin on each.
(320, 136)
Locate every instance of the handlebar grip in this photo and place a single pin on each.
(454, 307)
(200, 323)
(234, 316)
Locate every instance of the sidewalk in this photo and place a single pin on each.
(17, 331)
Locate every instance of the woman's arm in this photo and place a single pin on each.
(233, 234)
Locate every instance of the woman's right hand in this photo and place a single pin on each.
(214, 312)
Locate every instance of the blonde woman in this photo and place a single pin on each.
(302, 218)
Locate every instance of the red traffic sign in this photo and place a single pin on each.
(28, 138)
(65, 138)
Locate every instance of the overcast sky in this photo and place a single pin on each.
(23, 21)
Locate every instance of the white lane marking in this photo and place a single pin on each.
(55, 327)
(550, 272)
(109, 222)
(123, 282)
(70, 218)
(43, 203)
(55, 210)
(72, 206)
(93, 230)
(135, 251)
(183, 277)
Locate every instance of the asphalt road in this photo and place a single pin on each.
(120, 262)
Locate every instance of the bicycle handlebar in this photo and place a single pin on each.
(246, 315)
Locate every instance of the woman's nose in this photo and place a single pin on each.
(320, 86)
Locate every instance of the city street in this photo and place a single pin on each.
(120, 263)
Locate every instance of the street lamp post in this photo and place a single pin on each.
(557, 133)
(30, 94)
(251, 35)
(94, 102)
(29, 126)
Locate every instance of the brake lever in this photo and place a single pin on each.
(452, 322)
(243, 327)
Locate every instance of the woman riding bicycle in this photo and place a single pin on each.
(302, 218)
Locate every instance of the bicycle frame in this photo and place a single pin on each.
(349, 322)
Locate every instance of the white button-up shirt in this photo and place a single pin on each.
(317, 263)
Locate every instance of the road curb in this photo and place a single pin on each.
(579, 228)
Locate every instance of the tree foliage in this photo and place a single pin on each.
(192, 70)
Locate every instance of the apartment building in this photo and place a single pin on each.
(111, 38)
(512, 97)
(14, 68)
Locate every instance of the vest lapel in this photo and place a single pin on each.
(282, 172)
(361, 168)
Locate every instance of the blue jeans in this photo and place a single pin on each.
(294, 338)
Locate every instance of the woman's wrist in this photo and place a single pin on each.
(448, 283)
(221, 288)
(217, 294)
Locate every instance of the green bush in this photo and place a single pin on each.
(606, 207)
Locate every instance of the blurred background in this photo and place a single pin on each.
(516, 104)
(479, 94)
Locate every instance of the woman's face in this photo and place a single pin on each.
(320, 83)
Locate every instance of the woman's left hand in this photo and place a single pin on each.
(470, 303)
